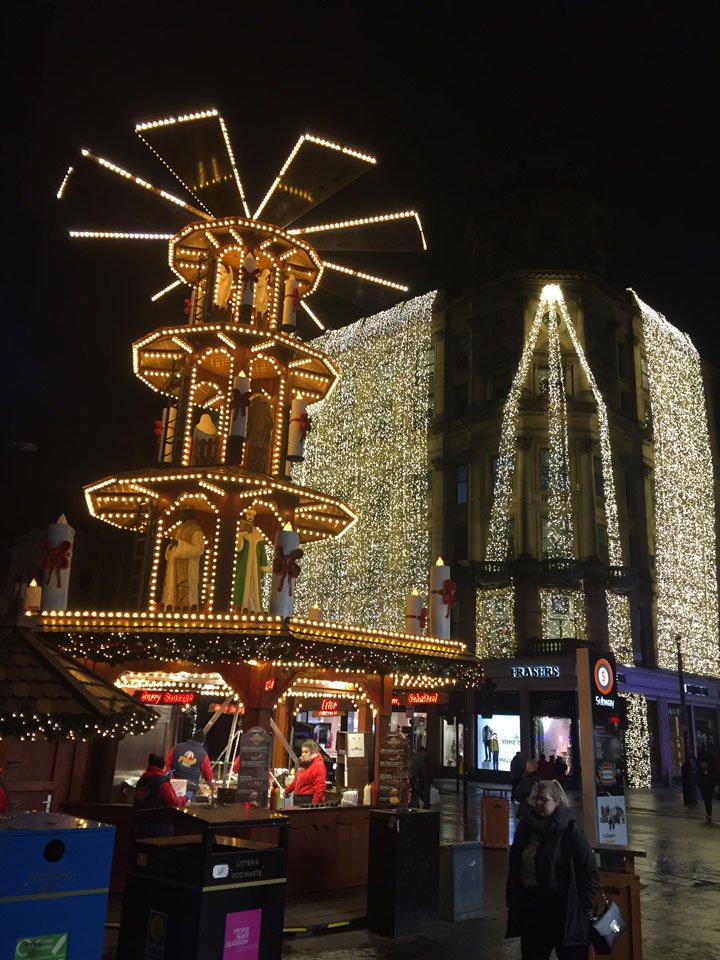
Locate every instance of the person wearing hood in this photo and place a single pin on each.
(309, 782)
(552, 880)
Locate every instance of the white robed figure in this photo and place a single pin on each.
(182, 566)
(250, 566)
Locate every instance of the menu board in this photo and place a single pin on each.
(254, 770)
(394, 785)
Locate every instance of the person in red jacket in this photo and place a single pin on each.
(154, 790)
(309, 784)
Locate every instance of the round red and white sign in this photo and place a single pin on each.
(603, 676)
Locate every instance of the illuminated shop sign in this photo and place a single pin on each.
(696, 690)
(165, 696)
(230, 708)
(535, 672)
(270, 684)
(328, 707)
(418, 697)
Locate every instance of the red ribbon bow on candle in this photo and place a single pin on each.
(422, 617)
(448, 596)
(158, 430)
(294, 296)
(188, 305)
(286, 566)
(56, 558)
(249, 276)
(305, 424)
(240, 401)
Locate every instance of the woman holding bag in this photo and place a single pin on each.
(552, 879)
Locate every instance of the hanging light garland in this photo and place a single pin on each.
(685, 547)
(368, 446)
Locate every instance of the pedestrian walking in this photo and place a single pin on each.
(552, 880)
(517, 768)
(419, 779)
(706, 780)
(524, 788)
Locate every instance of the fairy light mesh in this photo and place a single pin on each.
(368, 445)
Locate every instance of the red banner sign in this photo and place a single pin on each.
(230, 708)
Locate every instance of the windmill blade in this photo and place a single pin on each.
(314, 171)
(337, 268)
(387, 232)
(139, 181)
(196, 148)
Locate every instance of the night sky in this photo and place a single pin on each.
(450, 103)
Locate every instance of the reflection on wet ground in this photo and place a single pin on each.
(680, 891)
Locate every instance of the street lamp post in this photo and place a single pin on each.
(687, 770)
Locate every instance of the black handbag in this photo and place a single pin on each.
(606, 927)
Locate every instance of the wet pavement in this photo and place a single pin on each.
(680, 891)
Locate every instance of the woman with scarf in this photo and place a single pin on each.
(309, 783)
(552, 879)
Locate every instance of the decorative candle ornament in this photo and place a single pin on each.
(300, 426)
(248, 278)
(290, 304)
(442, 600)
(239, 405)
(223, 286)
(415, 613)
(56, 561)
(285, 571)
(33, 597)
(315, 613)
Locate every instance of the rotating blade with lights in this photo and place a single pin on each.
(237, 381)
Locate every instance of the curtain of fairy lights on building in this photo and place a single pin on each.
(685, 548)
(637, 741)
(495, 626)
(368, 446)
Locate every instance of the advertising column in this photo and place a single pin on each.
(601, 749)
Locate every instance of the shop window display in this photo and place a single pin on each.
(452, 741)
(507, 731)
(553, 737)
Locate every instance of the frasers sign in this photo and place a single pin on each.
(525, 673)
(165, 696)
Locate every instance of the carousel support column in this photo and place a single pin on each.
(249, 681)
(365, 718)
(282, 719)
(225, 547)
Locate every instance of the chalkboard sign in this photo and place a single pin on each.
(254, 771)
(394, 785)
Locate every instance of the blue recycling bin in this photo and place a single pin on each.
(53, 886)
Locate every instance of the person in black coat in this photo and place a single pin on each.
(517, 768)
(525, 787)
(706, 780)
(552, 880)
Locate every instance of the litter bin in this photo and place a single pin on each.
(402, 891)
(462, 881)
(53, 886)
(213, 888)
(495, 822)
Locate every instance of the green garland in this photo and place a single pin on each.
(208, 648)
(121, 723)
